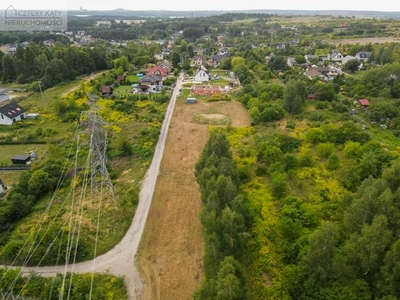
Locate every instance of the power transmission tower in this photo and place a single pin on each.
(93, 125)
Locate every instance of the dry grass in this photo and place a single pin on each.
(364, 41)
(171, 250)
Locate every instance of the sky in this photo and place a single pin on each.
(190, 5)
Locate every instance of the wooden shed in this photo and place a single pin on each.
(21, 159)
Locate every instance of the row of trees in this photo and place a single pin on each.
(51, 65)
(225, 218)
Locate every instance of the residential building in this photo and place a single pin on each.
(11, 113)
(201, 74)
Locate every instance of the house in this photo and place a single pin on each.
(291, 61)
(311, 97)
(352, 112)
(198, 60)
(312, 73)
(166, 64)
(335, 55)
(311, 58)
(269, 57)
(363, 55)
(201, 74)
(11, 113)
(158, 70)
(348, 58)
(223, 51)
(364, 102)
(21, 159)
(206, 90)
(280, 46)
(121, 77)
(150, 84)
(215, 60)
(106, 90)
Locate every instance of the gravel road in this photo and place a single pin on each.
(120, 261)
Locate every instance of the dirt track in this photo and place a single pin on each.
(171, 250)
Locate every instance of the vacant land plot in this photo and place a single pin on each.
(364, 41)
(171, 250)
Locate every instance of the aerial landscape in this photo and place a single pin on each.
(204, 152)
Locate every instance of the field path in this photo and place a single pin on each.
(170, 255)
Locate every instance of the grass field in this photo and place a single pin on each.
(171, 250)
(8, 151)
(123, 90)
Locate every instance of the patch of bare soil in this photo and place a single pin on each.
(364, 41)
(171, 250)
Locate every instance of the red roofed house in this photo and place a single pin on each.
(158, 70)
(206, 90)
(121, 77)
(311, 96)
(11, 113)
(106, 90)
(363, 102)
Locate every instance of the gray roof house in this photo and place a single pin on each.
(363, 55)
(150, 84)
(11, 113)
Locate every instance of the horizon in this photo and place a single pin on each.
(206, 5)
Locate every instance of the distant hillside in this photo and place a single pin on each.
(206, 13)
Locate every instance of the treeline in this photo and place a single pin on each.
(51, 65)
(16, 37)
(225, 217)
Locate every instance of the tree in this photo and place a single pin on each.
(295, 95)
(237, 61)
(367, 249)
(121, 62)
(278, 63)
(352, 65)
(37, 184)
(8, 71)
(229, 285)
(391, 271)
(175, 59)
(324, 91)
(319, 260)
(124, 146)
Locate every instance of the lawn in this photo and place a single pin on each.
(123, 90)
(8, 151)
(10, 178)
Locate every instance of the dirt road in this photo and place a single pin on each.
(120, 261)
(171, 251)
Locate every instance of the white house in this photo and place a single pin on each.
(335, 55)
(11, 113)
(201, 74)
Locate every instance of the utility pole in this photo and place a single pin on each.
(41, 94)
